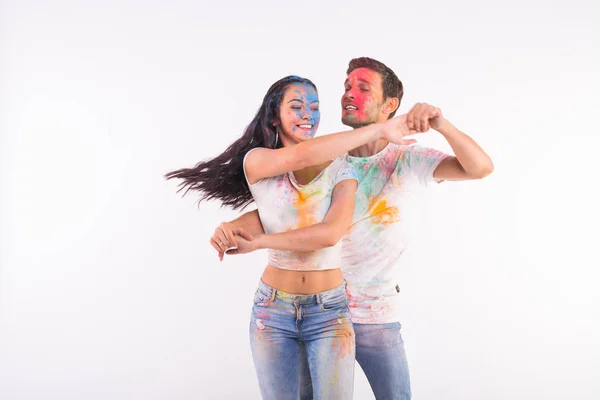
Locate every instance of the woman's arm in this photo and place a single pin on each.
(263, 162)
(313, 237)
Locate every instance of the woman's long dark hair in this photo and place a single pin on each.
(222, 177)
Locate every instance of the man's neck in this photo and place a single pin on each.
(369, 149)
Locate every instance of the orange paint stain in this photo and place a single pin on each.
(345, 345)
(305, 214)
(381, 213)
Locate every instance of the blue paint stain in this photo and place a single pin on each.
(308, 97)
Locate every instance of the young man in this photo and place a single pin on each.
(387, 174)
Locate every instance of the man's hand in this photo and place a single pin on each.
(424, 116)
(227, 236)
(245, 245)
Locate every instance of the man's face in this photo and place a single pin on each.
(363, 98)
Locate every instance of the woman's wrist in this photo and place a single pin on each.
(379, 132)
(371, 132)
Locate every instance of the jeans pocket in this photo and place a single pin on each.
(261, 298)
(339, 302)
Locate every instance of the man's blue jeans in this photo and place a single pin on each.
(380, 354)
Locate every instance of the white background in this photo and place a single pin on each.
(108, 286)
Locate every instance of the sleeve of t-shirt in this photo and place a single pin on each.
(420, 163)
(244, 166)
(346, 171)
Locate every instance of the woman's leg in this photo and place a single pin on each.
(329, 338)
(304, 383)
(274, 343)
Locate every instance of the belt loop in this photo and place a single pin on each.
(273, 294)
(319, 301)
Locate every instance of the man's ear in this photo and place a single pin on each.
(391, 105)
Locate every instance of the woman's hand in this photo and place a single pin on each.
(395, 129)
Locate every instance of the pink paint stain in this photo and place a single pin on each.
(262, 315)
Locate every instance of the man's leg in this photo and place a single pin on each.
(380, 354)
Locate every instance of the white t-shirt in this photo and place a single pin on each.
(377, 236)
(284, 204)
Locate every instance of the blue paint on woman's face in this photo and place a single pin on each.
(299, 112)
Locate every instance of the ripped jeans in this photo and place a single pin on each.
(321, 323)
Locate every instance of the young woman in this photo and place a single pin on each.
(305, 201)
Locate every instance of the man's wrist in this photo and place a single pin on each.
(260, 241)
(231, 223)
(445, 127)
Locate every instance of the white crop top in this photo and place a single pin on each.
(284, 204)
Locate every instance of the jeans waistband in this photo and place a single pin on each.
(316, 298)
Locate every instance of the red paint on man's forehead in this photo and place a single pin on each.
(367, 75)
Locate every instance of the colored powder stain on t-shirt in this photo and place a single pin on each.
(304, 214)
(382, 213)
(387, 186)
(285, 204)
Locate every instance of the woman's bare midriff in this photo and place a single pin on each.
(302, 282)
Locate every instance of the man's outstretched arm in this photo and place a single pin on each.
(469, 162)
